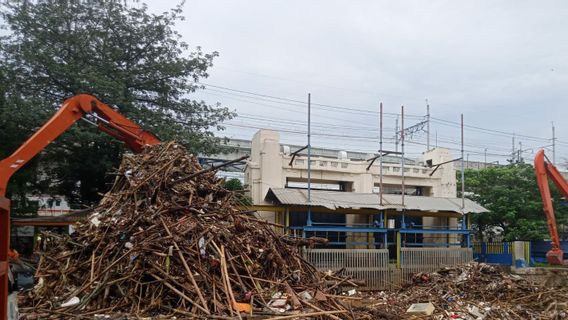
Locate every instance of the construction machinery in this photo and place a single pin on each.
(545, 169)
(81, 106)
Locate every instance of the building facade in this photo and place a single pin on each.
(273, 165)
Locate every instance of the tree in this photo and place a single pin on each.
(236, 185)
(511, 195)
(121, 53)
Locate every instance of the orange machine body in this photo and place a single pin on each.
(108, 120)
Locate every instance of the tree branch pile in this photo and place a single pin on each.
(472, 291)
(169, 240)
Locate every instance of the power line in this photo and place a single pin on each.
(303, 103)
(508, 134)
(369, 137)
(300, 103)
(352, 110)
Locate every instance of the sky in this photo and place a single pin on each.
(502, 64)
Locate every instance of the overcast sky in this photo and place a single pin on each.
(503, 64)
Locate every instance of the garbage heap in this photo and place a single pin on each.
(470, 291)
(168, 240)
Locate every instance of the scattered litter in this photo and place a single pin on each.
(425, 309)
(71, 302)
(473, 291)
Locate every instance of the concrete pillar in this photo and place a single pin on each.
(265, 168)
(446, 187)
(519, 254)
(351, 221)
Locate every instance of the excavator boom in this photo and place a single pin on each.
(73, 109)
(544, 170)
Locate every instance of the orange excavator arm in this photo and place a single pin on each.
(72, 110)
(544, 170)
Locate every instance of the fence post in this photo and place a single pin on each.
(398, 249)
(528, 252)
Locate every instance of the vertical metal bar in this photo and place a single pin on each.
(462, 169)
(381, 155)
(513, 150)
(436, 139)
(464, 216)
(402, 161)
(396, 135)
(427, 126)
(398, 248)
(309, 218)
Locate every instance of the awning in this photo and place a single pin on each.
(334, 200)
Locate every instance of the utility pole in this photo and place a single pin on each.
(436, 139)
(520, 159)
(396, 133)
(381, 155)
(513, 150)
(403, 222)
(485, 158)
(427, 126)
(464, 216)
(553, 145)
(309, 217)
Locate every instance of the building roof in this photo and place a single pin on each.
(350, 200)
(61, 220)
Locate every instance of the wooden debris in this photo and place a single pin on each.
(471, 291)
(168, 240)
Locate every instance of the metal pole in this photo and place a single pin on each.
(485, 158)
(396, 135)
(436, 139)
(513, 150)
(309, 217)
(464, 217)
(553, 145)
(462, 168)
(427, 126)
(402, 161)
(381, 155)
(520, 151)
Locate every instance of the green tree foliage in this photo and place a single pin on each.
(236, 185)
(512, 196)
(115, 50)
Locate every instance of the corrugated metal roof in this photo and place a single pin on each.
(351, 200)
(64, 219)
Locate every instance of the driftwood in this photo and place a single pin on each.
(167, 240)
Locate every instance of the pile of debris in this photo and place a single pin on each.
(471, 291)
(168, 240)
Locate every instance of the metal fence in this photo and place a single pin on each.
(373, 265)
(414, 260)
(493, 252)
